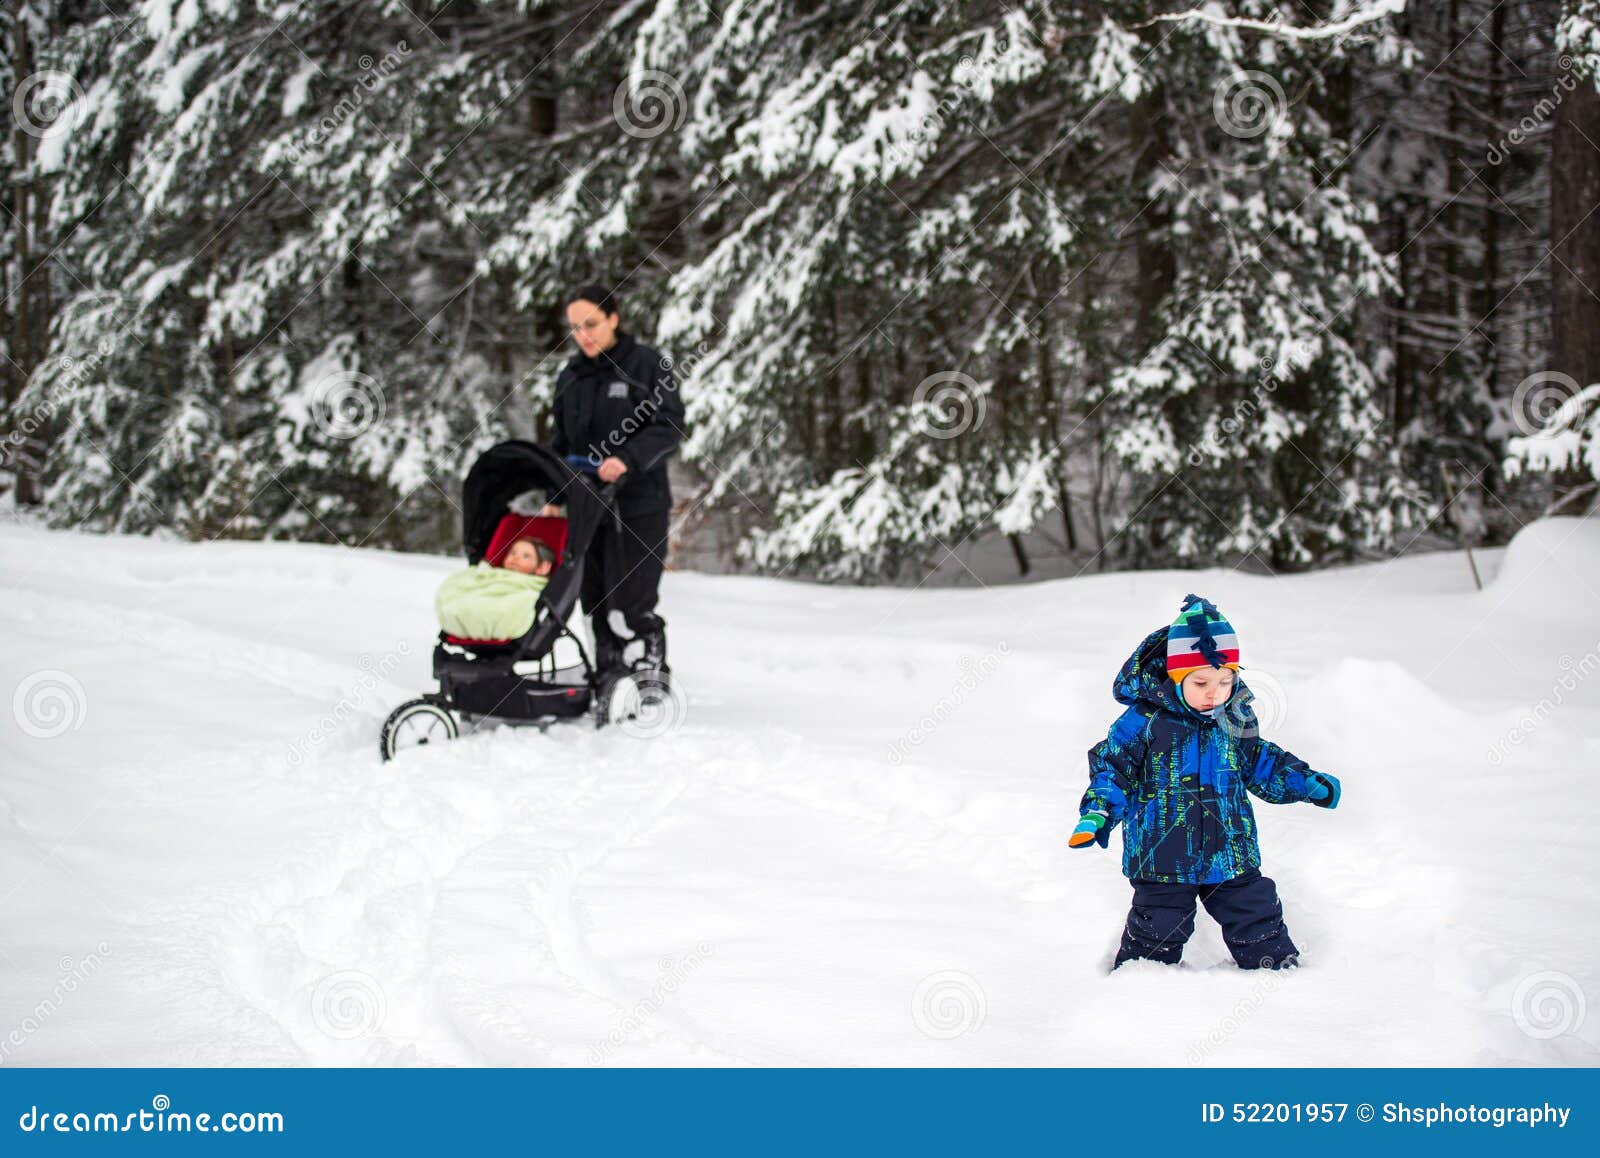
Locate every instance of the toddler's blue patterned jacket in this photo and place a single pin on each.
(1180, 781)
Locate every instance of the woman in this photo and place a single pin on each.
(616, 404)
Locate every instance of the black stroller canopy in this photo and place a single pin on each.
(512, 468)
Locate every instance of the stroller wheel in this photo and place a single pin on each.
(414, 724)
(618, 699)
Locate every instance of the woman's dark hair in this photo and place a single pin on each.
(598, 294)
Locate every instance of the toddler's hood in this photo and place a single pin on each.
(1143, 679)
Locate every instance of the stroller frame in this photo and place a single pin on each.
(519, 680)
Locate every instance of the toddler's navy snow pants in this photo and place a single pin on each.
(1247, 908)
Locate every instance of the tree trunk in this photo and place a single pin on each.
(1575, 235)
(28, 328)
(1020, 554)
(1156, 264)
(1489, 327)
(1451, 302)
(1052, 411)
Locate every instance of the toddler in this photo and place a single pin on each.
(1177, 770)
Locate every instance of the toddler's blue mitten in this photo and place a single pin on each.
(1322, 789)
(1091, 828)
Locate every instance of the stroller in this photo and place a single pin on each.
(547, 674)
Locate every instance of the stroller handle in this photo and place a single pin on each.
(583, 464)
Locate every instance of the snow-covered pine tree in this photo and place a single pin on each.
(930, 270)
(275, 327)
(872, 317)
(1251, 407)
(1557, 411)
(1459, 168)
(940, 200)
(32, 279)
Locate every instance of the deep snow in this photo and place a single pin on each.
(850, 849)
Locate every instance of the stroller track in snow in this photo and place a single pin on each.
(375, 910)
(541, 867)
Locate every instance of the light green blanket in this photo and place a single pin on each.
(485, 602)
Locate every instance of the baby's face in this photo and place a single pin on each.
(1208, 688)
(522, 557)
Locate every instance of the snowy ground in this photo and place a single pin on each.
(203, 861)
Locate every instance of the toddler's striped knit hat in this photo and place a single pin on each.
(1200, 637)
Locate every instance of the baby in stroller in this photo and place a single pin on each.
(530, 557)
(489, 602)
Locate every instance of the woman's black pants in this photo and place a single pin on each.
(622, 572)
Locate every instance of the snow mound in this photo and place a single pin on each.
(1551, 566)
